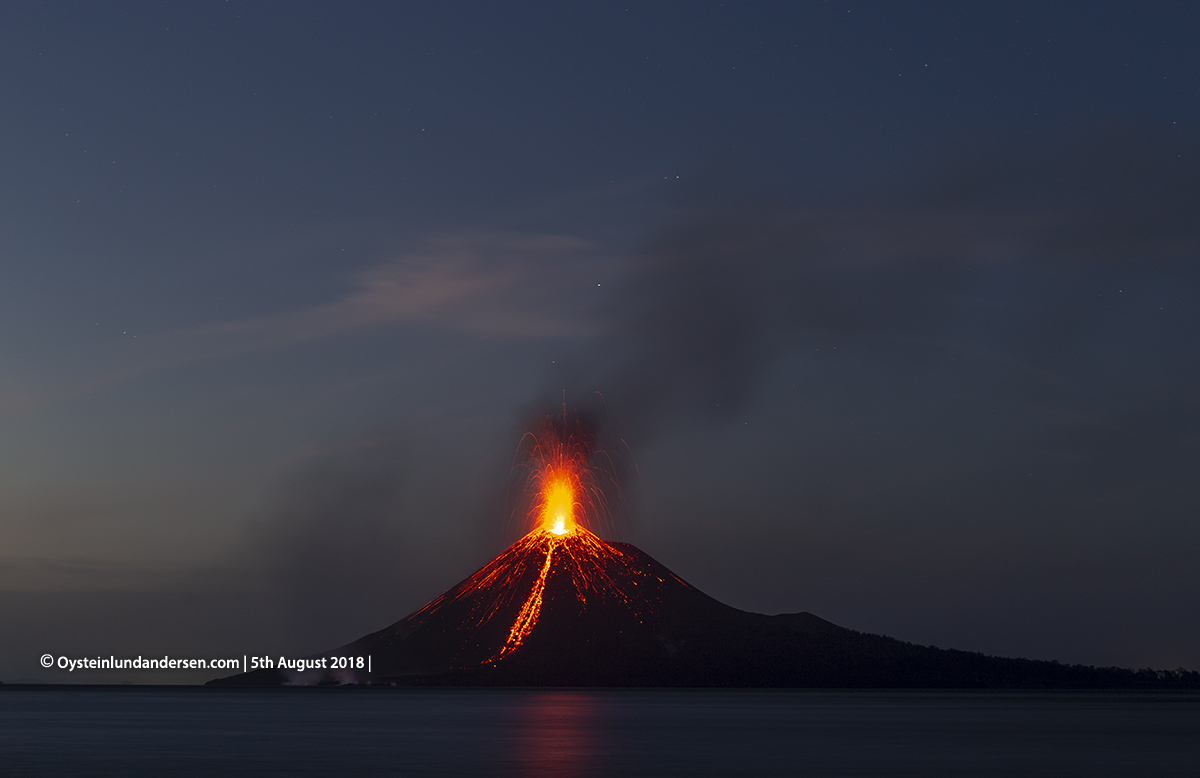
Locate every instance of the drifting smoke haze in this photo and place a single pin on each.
(1005, 267)
(333, 536)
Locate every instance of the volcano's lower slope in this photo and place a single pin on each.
(572, 610)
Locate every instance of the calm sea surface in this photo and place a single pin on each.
(173, 731)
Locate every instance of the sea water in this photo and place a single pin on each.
(181, 731)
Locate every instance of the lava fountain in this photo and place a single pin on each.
(561, 476)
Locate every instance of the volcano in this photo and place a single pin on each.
(561, 607)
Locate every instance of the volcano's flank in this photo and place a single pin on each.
(561, 607)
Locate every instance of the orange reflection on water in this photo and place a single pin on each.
(556, 736)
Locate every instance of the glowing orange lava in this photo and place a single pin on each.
(586, 558)
(558, 503)
(561, 472)
(558, 553)
(559, 483)
(530, 610)
(598, 572)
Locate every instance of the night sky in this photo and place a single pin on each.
(887, 312)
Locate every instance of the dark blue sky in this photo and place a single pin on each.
(893, 309)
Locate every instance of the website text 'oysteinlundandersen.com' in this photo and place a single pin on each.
(71, 664)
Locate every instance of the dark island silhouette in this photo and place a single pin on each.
(561, 607)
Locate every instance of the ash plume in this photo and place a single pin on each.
(713, 301)
(1010, 286)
